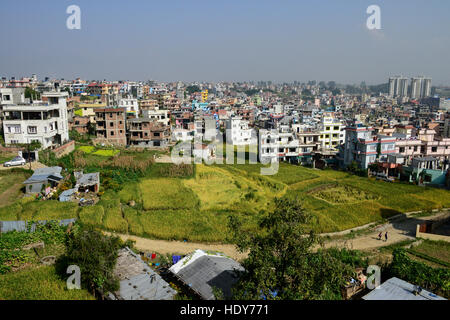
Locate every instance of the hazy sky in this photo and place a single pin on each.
(229, 40)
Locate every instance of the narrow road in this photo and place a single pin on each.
(34, 165)
(179, 247)
(400, 230)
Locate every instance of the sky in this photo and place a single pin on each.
(232, 40)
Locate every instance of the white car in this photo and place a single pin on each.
(17, 161)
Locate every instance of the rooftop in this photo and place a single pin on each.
(397, 289)
(202, 271)
(138, 281)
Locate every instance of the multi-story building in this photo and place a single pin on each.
(10, 96)
(398, 87)
(79, 124)
(111, 126)
(145, 132)
(239, 132)
(365, 148)
(281, 144)
(420, 87)
(45, 121)
(131, 105)
(332, 132)
(309, 145)
(161, 116)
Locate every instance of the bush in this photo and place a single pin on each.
(436, 280)
(96, 255)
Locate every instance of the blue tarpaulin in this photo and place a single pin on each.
(175, 259)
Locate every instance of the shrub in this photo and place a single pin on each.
(96, 255)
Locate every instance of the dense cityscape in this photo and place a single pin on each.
(212, 159)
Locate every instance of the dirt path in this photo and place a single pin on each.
(179, 247)
(400, 230)
(397, 231)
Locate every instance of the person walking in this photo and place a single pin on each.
(380, 235)
(386, 236)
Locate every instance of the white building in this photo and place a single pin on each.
(161, 116)
(182, 135)
(332, 133)
(239, 131)
(45, 122)
(281, 144)
(131, 105)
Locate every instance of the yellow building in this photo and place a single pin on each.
(88, 110)
(205, 95)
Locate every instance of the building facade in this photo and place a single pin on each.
(43, 122)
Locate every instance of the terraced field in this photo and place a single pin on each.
(197, 208)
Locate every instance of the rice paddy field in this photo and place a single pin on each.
(38, 283)
(196, 208)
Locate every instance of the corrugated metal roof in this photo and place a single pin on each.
(7, 226)
(44, 174)
(88, 179)
(138, 281)
(202, 271)
(397, 289)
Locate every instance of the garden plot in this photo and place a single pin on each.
(166, 193)
(342, 194)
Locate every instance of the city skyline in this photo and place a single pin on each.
(210, 42)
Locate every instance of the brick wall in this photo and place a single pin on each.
(64, 149)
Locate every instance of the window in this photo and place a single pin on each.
(401, 149)
(32, 129)
(111, 124)
(336, 128)
(415, 148)
(433, 149)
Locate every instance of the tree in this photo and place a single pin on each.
(192, 89)
(96, 256)
(281, 263)
(32, 94)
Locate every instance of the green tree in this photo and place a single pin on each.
(96, 256)
(192, 89)
(280, 258)
(32, 94)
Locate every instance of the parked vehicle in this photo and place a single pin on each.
(17, 161)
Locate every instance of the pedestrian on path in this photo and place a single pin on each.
(380, 235)
(385, 236)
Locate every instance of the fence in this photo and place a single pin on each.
(7, 226)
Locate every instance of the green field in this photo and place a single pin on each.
(86, 149)
(38, 283)
(10, 185)
(106, 153)
(197, 208)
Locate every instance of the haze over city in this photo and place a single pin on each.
(226, 41)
